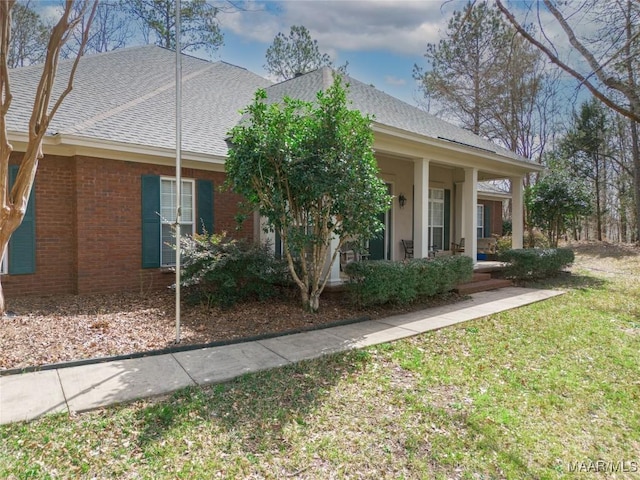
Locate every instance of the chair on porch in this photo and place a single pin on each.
(457, 247)
(408, 248)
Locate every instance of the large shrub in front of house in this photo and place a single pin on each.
(532, 263)
(401, 283)
(222, 271)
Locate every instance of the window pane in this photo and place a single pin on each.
(438, 233)
(436, 193)
(187, 201)
(437, 214)
(168, 200)
(480, 216)
(168, 253)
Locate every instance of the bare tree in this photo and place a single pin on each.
(111, 29)
(15, 200)
(28, 38)
(606, 65)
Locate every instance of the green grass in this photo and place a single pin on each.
(522, 394)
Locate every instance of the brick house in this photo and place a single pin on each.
(101, 206)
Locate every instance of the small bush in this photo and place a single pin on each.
(530, 263)
(221, 271)
(401, 283)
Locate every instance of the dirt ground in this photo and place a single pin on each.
(61, 328)
(52, 329)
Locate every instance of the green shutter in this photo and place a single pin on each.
(447, 219)
(204, 206)
(487, 219)
(150, 221)
(22, 245)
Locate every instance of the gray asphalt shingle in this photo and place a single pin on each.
(128, 96)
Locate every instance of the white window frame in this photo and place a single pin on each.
(480, 230)
(436, 199)
(187, 227)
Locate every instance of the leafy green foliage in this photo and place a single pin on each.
(555, 203)
(401, 283)
(309, 169)
(295, 54)
(585, 151)
(532, 263)
(221, 271)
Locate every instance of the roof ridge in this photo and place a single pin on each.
(77, 128)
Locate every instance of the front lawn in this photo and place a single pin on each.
(532, 393)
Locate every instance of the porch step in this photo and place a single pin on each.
(478, 277)
(482, 286)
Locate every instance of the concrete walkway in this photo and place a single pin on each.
(75, 389)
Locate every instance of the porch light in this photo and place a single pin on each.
(402, 200)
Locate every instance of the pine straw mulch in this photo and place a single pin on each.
(63, 328)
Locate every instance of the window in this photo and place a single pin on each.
(168, 216)
(480, 220)
(436, 218)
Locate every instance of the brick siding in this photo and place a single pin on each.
(88, 226)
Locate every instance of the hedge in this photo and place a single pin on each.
(532, 263)
(387, 282)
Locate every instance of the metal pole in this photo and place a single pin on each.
(178, 165)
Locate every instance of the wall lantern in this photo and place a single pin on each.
(402, 200)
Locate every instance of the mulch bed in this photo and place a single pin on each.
(63, 328)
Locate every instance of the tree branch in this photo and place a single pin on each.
(607, 81)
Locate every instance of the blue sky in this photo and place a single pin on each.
(381, 39)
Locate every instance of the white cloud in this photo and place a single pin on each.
(403, 27)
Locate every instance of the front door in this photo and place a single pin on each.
(379, 247)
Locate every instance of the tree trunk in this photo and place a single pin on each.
(9, 222)
(635, 149)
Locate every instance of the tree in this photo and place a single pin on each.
(198, 23)
(15, 200)
(294, 55)
(110, 30)
(309, 169)
(605, 65)
(463, 65)
(490, 80)
(28, 36)
(585, 147)
(555, 203)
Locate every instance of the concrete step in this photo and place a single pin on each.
(482, 285)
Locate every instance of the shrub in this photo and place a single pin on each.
(530, 263)
(221, 271)
(503, 244)
(401, 283)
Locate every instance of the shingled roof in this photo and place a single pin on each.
(128, 96)
(386, 110)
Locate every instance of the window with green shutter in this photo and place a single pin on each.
(159, 214)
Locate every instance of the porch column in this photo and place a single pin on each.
(469, 213)
(334, 275)
(421, 208)
(517, 212)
